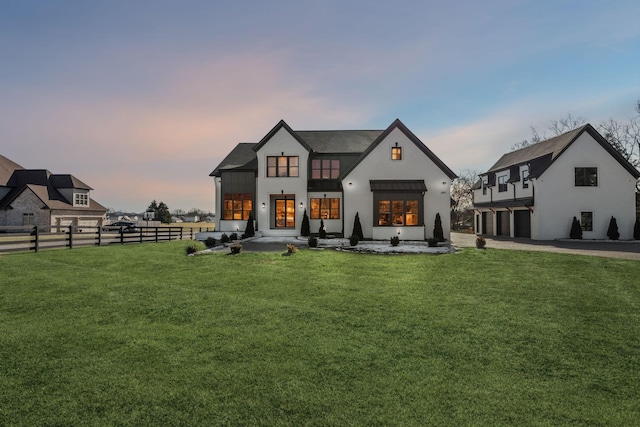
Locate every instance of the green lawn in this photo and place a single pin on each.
(144, 335)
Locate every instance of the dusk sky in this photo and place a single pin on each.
(142, 99)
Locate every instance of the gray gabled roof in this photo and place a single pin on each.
(7, 167)
(541, 155)
(339, 141)
(242, 157)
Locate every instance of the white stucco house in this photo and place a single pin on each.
(536, 191)
(38, 197)
(389, 177)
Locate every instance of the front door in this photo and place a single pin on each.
(285, 213)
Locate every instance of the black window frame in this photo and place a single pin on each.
(333, 168)
(397, 207)
(586, 220)
(502, 186)
(525, 178)
(274, 171)
(331, 211)
(586, 176)
(396, 153)
(237, 198)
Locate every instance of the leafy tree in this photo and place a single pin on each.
(305, 228)
(249, 231)
(357, 227)
(160, 211)
(322, 232)
(576, 229)
(612, 231)
(438, 234)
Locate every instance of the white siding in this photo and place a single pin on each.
(379, 166)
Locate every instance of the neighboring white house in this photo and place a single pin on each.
(38, 197)
(536, 191)
(389, 177)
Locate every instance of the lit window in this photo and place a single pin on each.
(586, 177)
(325, 169)
(282, 166)
(586, 221)
(237, 206)
(325, 208)
(396, 153)
(398, 212)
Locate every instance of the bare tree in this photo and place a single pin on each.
(462, 195)
(555, 128)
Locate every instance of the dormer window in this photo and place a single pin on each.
(502, 184)
(325, 169)
(80, 199)
(525, 178)
(396, 152)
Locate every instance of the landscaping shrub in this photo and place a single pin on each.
(305, 228)
(636, 229)
(357, 228)
(395, 241)
(313, 242)
(192, 249)
(481, 242)
(249, 231)
(235, 248)
(291, 248)
(322, 233)
(210, 242)
(432, 243)
(612, 231)
(576, 229)
(353, 240)
(234, 236)
(224, 238)
(438, 234)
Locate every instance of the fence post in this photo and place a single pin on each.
(181, 233)
(36, 235)
(99, 236)
(122, 235)
(156, 234)
(71, 237)
(140, 234)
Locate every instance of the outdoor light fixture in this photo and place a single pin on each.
(301, 205)
(263, 205)
(398, 231)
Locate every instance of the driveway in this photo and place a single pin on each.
(605, 248)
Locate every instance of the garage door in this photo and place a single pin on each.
(522, 223)
(503, 223)
(487, 223)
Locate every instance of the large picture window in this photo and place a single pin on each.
(325, 208)
(325, 169)
(398, 212)
(237, 206)
(586, 177)
(282, 166)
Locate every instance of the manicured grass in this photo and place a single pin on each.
(144, 335)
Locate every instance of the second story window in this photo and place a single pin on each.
(81, 199)
(586, 177)
(502, 184)
(525, 178)
(325, 169)
(396, 153)
(282, 166)
(484, 186)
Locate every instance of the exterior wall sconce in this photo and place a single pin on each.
(301, 205)
(351, 183)
(398, 231)
(263, 205)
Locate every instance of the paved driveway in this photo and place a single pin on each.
(611, 249)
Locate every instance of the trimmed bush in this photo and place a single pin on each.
(234, 236)
(210, 242)
(576, 229)
(636, 229)
(432, 243)
(305, 228)
(357, 228)
(224, 238)
(353, 240)
(192, 249)
(438, 234)
(322, 233)
(313, 242)
(395, 241)
(235, 248)
(612, 231)
(481, 242)
(249, 231)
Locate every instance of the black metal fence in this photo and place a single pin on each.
(35, 238)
